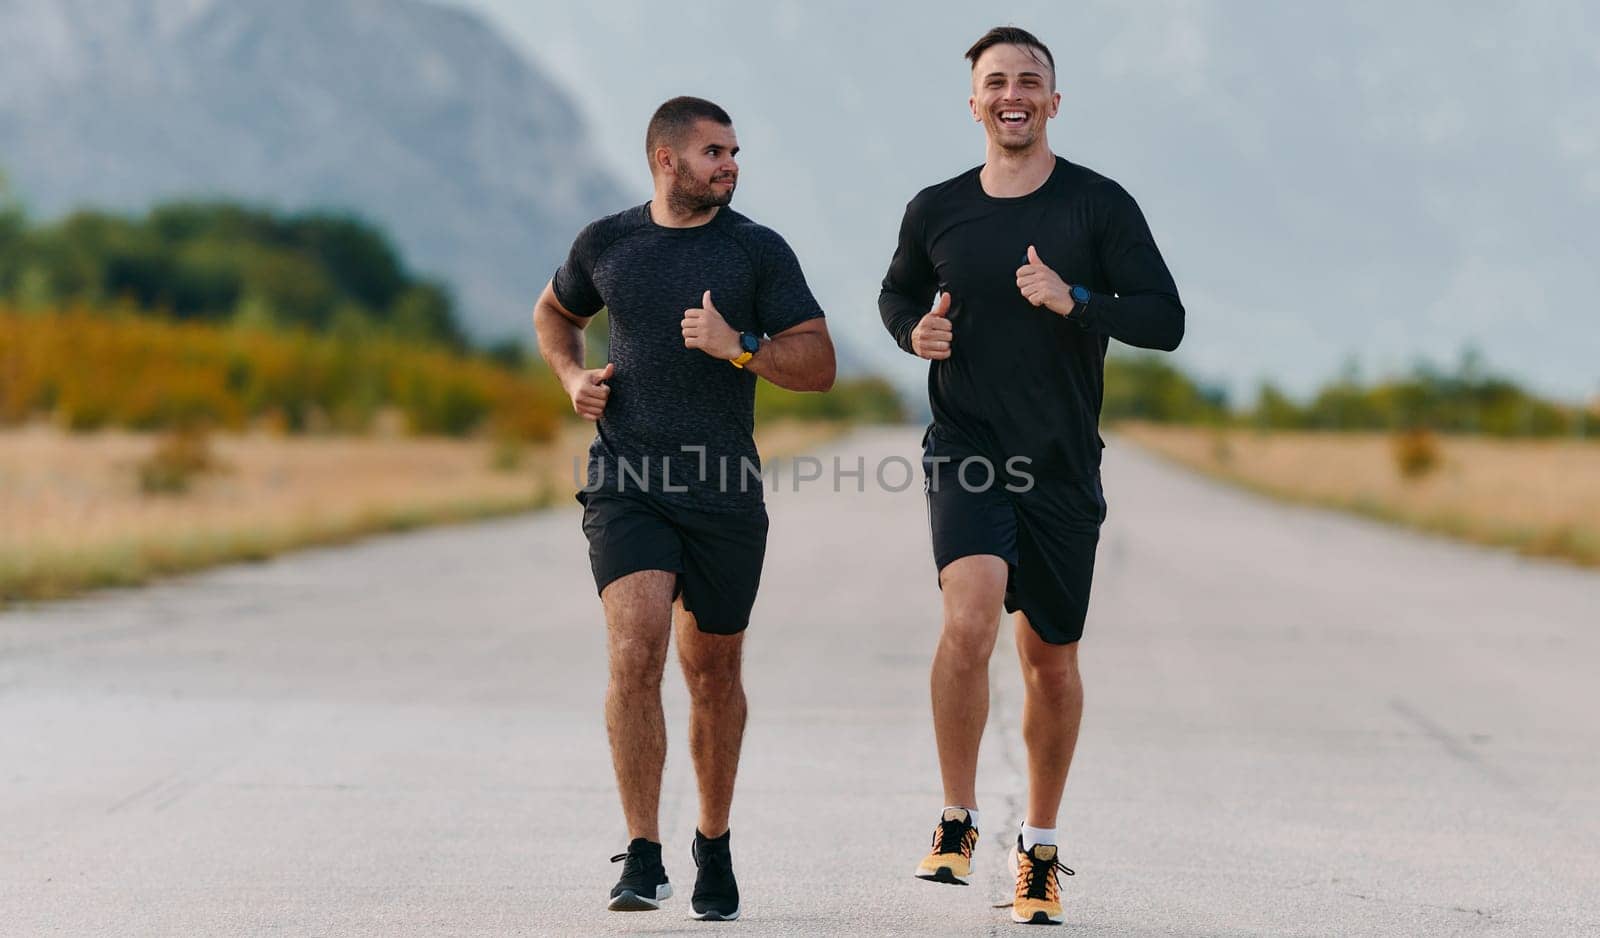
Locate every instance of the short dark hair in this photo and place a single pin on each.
(674, 118)
(1013, 36)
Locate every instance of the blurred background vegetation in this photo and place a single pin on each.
(239, 317)
(212, 381)
(202, 316)
(1465, 399)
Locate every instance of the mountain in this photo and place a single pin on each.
(416, 117)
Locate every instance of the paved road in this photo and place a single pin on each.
(1299, 724)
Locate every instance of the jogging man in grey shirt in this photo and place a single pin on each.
(702, 302)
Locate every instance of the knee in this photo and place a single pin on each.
(968, 639)
(1055, 670)
(636, 664)
(712, 678)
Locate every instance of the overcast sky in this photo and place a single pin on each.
(1376, 180)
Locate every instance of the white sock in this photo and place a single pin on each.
(972, 813)
(1032, 836)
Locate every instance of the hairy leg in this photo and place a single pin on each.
(638, 624)
(711, 669)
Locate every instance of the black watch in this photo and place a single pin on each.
(1081, 297)
(749, 345)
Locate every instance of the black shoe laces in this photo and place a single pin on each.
(634, 865)
(951, 837)
(1041, 874)
(712, 858)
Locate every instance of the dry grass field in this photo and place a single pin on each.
(75, 514)
(1541, 497)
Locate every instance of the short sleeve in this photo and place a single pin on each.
(783, 299)
(574, 280)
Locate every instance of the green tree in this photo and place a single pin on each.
(356, 256)
(296, 288)
(422, 313)
(1274, 408)
(13, 219)
(218, 261)
(1149, 387)
(509, 353)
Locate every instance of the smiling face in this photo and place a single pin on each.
(703, 166)
(1013, 94)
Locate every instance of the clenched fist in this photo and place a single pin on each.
(931, 338)
(589, 391)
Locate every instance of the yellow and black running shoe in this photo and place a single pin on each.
(950, 858)
(1038, 899)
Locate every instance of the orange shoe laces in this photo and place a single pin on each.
(1038, 880)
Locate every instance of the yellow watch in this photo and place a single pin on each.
(751, 343)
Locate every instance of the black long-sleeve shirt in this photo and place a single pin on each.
(1022, 380)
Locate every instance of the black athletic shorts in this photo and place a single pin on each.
(717, 556)
(1046, 535)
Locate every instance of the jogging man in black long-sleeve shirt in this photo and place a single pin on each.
(1010, 279)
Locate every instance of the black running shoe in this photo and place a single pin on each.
(716, 894)
(644, 880)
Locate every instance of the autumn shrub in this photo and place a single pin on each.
(181, 455)
(91, 369)
(1416, 453)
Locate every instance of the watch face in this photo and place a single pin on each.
(749, 343)
(1080, 293)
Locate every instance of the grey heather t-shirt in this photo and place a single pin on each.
(678, 422)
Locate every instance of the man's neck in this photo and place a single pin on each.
(1007, 174)
(663, 214)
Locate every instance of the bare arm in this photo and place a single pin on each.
(799, 358)
(560, 335)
